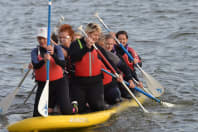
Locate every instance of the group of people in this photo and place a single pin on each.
(76, 82)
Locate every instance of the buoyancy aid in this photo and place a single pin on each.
(134, 55)
(89, 65)
(55, 71)
(106, 77)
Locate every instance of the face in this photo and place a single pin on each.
(101, 43)
(94, 36)
(109, 43)
(65, 39)
(123, 39)
(42, 42)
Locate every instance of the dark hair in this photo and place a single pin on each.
(122, 32)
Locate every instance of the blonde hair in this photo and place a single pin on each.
(92, 27)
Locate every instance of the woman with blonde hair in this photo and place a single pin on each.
(87, 83)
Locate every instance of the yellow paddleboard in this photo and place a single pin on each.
(65, 122)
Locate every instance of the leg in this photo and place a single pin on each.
(95, 96)
(78, 94)
(37, 98)
(52, 97)
(112, 94)
(62, 96)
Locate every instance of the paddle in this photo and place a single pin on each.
(43, 102)
(153, 85)
(55, 28)
(141, 91)
(6, 102)
(30, 94)
(58, 24)
(113, 70)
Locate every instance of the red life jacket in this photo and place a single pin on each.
(90, 65)
(55, 71)
(106, 77)
(134, 55)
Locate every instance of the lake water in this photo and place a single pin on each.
(163, 32)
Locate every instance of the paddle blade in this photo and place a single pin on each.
(7, 101)
(167, 104)
(43, 102)
(153, 85)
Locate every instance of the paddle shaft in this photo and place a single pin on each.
(31, 92)
(43, 102)
(137, 89)
(118, 42)
(6, 102)
(57, 25)
(156, 87)
(116, 74)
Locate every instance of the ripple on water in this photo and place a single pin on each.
(164, 36)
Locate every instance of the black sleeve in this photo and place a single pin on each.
(127, 70)
(76, 52)
(108, 59)
(54, 37)
(133, 73)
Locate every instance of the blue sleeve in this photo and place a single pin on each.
(34, 57)
(59, 56)
(59, 52)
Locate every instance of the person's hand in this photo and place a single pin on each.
(53, 42)
(140, 84)
(120, 78)
(135, 60)
(112, 34)
(50, 49)
(131, 84)
(47, 57)
(30, 66)
(89, 42)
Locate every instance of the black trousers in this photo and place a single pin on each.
(58, 95)
(91, 93)
(125, 93)
(112, 93)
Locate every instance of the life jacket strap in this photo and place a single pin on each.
(80, 44)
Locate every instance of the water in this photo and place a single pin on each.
(163, 32)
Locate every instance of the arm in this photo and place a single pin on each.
(125, 69)
(59, 56)
(34, 57)
(108, 56)
(135, 56)
(77, 51)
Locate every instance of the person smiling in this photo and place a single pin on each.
(87, 86)
(122, 36)
(58, 92)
